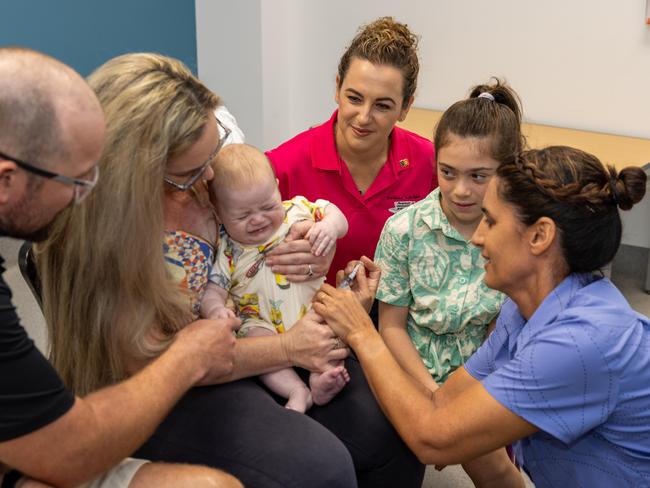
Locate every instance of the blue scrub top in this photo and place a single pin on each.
(579, 369)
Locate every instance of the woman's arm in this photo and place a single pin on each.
(309, 344)
(392, 328)
(440, 428)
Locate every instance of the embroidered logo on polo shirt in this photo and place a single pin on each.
(404, 163)
(401, 205)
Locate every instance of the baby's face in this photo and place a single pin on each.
(251, 215)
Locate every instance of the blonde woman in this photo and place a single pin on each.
(124, 273)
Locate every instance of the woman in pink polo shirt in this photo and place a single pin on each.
(358, 159)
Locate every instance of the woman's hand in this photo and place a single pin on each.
(210, 344)
(294, 259)
(365, 283)
(311, 344)
(343, 312)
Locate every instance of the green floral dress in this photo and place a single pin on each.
(430, 268)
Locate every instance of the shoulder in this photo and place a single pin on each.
(402, 229)
(599, 320)
(415, 143)
(424, 213)
(228, 120)
(401, 222)
(301, 202)
(298, 148)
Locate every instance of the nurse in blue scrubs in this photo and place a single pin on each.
(566, 374)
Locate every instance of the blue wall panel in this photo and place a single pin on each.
(86, 33)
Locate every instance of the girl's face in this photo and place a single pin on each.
(464, 170)
(252, 215)
(370, 103)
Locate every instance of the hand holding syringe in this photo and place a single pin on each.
(346, 282)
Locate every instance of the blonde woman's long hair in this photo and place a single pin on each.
(106, 290)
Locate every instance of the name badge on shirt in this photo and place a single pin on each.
(401, 205)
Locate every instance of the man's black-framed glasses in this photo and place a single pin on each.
(82, 187)
(193, 178)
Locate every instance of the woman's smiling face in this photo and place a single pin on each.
(503, 240)
(370, 100)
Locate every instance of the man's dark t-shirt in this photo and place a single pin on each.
(32, 395)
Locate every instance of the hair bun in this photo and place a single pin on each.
(500, 92)
(388, 28)
(629, 187)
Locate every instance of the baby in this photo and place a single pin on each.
(255, 220)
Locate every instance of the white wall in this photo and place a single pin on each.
(228, 38)
(580, 63)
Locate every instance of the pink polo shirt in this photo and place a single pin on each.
(309, 165)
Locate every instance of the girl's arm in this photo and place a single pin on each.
(392, 327)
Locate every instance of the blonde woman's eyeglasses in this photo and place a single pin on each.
(194, 177)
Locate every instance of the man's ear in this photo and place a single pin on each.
(541, 235)
(405, 108)
(8, 180)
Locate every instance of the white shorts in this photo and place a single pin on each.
(118, 477)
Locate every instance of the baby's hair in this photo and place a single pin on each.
(492, 112)
(240, 165)
(579, 193)
(385, 42)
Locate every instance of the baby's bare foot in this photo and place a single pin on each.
(325, 386)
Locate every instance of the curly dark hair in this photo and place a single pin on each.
(385, 42)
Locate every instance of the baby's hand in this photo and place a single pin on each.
(322, 237)
(221, 313)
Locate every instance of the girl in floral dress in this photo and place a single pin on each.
(434, 309)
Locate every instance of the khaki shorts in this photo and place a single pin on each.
(118, 477)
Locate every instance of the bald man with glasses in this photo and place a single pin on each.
(51, 136)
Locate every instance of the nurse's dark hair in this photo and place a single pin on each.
(579, 193)
(385, 42)
(492, 112)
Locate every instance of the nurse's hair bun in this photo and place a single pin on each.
(580, 194)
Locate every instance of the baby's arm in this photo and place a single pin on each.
(323, 235)
(213, 304)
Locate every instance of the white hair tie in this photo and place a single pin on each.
(487, 95)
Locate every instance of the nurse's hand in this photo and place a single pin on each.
(365, 283)
(343, 312)
(294, 259)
